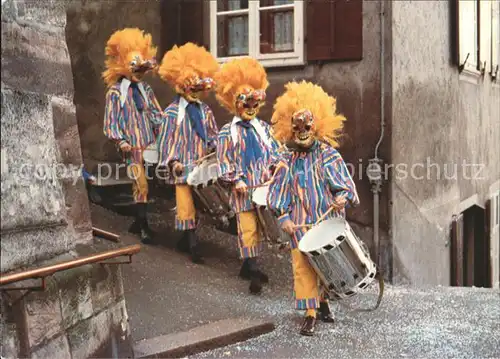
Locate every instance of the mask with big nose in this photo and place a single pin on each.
(303, 128)
(249, 102)
(195, 87)
(139, 66)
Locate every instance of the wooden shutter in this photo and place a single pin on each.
(182, 21)
(457, 251)
(334, 30)
(192, 21)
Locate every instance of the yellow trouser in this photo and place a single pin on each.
(140, 185)
(186, 212)
(305, 282)
(249, 242)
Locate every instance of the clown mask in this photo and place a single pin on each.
(139, 66)
(303, 128)
(194, 88)
(249, 102)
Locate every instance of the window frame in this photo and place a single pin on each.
(295, 58)
(469, 66)
(495, 41)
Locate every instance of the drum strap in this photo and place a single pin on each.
(380, 278)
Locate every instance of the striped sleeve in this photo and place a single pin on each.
(112, 110)
(338, 176)
(279, 195)
(225, 156)
(169, 138)
(154, 107)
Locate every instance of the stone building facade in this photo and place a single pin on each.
(45, 217)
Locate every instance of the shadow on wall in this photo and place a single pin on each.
(89, 26)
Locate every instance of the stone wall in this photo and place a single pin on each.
(80, 314)
(44, 208)
(440, 119)
(89, 26)
(44, 202)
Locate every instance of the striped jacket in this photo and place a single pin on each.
(178, 141)
(124, 122)
(230, 150)
(305, 185)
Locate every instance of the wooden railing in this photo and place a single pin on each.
(42, 273)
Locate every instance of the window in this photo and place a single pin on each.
(468, 46)
(477, 41)
(287, 32)
(495, 39)
(278, 23)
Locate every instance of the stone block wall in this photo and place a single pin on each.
(44, 207)
(80, 314)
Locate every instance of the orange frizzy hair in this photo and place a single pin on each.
(183, 62)
(236, 75)
(305, 95)
(119, 46)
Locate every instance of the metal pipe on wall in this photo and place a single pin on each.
(374, 170)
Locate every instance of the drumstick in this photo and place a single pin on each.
(198, 161)
(318, 221)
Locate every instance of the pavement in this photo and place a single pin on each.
(167, 294)
(410, 323)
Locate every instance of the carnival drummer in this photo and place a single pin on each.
(189, 132)
(132, 111)
(310, 180)
(245, 152)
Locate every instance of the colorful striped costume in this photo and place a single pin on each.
(233, 167)
(303, 189)
(179, 141)
(130, 115)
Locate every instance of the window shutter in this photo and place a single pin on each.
(457, 251)
(334, 30)
(192, 22)
(182, 21)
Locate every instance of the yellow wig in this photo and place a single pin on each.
(236, 75)
(118, 49)
(185, 62)
(305, 95)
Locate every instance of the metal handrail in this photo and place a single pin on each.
(49, 270)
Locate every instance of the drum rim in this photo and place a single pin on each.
(311, 231)
(258, 190)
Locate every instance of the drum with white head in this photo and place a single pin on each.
(150, 154)
(267, 220)
(341, 260)
(209, 196)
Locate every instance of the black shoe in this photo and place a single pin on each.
(249, 269)
(195, 256)
(308, 326)
(255, 285)
(325, 313)
(135, 227)
(192, 240)
(145, 232)
(145, 238)
(183, 243)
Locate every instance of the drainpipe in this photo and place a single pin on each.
(374, 170)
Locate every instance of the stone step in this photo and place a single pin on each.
(203, 338)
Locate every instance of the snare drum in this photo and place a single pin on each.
(210, 197)
(341, 260)
(150, 154)
(268, 222)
